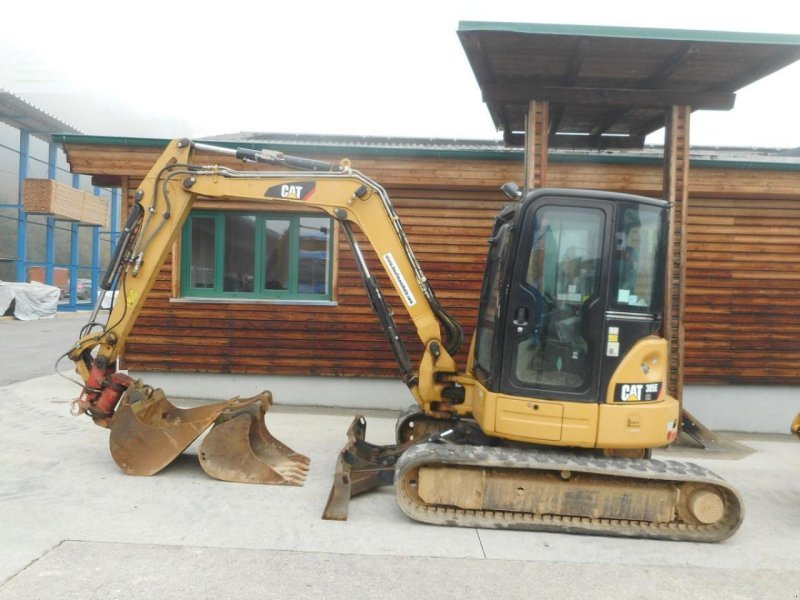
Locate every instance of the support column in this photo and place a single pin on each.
(676, 191)
(50, 248)
(536, 144)
(95, 257)
(22, 216)
(114, 219)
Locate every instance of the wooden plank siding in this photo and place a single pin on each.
(742, 272)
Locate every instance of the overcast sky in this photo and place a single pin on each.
(172, 68)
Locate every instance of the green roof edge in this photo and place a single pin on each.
(693, 35)
(350, 151)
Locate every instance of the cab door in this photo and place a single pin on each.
(557, 300)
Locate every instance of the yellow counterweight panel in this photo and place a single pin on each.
(535, 421)
(638, 425)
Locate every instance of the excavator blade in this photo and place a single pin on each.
(361, 467)
(240, 448)
(148, 432)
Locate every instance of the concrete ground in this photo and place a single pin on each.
(72, 525)
(25, 354)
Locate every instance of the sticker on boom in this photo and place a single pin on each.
(400, 281)
(637, 392)
(294, 190)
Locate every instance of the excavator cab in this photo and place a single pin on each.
(574, 280)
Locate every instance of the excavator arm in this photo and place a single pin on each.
(145, 418)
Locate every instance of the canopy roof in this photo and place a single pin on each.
(18, 113)
(610, 86)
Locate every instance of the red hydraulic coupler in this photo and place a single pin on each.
(101, 393)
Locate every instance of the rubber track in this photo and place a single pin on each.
(663, 470)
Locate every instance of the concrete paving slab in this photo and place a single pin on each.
(72, 522)
(81, 570)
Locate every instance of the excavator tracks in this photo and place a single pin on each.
(558, 491)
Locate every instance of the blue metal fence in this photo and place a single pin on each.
(23, 263)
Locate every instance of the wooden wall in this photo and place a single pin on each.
(742, 286)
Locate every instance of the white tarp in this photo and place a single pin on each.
(31, 300)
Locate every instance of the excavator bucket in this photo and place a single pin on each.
(240, 448)
(148, 432)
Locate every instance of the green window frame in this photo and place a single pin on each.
(257, 255)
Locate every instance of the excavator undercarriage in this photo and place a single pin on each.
(450, 478)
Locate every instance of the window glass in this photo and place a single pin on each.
(490, 302)
(312, 272)
(637, 285)
(277, 252)
(262, 255)
(201, 273)
(240, 237)
(563, 274)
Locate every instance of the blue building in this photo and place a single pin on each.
(48, 247)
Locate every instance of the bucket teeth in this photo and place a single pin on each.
(240, 448)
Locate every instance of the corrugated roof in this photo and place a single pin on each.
(351, 146)
(362, 141)
(19, 113)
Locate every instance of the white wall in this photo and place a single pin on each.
(756, 409)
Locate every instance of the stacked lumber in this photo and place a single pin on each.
(45, 196)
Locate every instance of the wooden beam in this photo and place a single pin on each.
(536, 145)
(569, 80)
(106, 181)
(676, 191)
(511, 92)
(653, 82)
(596, 142)
(668, 67)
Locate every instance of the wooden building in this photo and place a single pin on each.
(731, 314)
(743, 270)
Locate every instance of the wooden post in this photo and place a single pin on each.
(536, 144)
(676, 191)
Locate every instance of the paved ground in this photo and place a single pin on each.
(23, 352)
(72, 525)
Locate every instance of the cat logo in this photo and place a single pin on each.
(295, 190)
(636, 392)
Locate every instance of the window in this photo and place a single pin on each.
(638, 282)
(564, 273)
(256, 255)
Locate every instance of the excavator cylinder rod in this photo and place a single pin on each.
(556, 491)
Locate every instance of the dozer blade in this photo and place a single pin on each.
(361, 467)
(240, 448)
(148, 432)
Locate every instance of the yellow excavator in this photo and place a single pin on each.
(550, 424)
